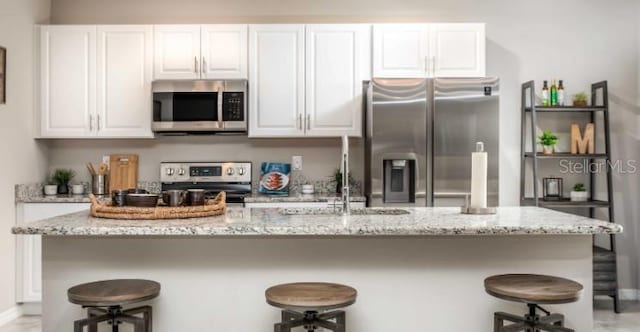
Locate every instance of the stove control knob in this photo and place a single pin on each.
(229, 171)
(170, 171)
(181, 171)
(241, 171)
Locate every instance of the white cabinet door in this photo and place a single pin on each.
(458, 50)
(67, 81)
(224, 51)
(124, 81)
(400, 50)
(276, 78)
(336, 64)
(29, 247)
(176, 52)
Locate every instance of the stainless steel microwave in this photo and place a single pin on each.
(199, 106)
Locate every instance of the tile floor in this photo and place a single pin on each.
(605, 320)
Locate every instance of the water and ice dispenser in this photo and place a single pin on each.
(399, 181)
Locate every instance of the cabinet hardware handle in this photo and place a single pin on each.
(308, 121)
(98, 122)
(90, 122)
(204, 65)
(426, 64)
(433, 66)
(195, 64)
(300, 121)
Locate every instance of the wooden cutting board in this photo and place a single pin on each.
(123, 171)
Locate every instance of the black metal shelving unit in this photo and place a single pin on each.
(604, 259)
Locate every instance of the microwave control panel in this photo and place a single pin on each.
(233, 106)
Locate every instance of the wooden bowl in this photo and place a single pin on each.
(142, 200)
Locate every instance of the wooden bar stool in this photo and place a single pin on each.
(533, 290)
(104, 301)
(308, 304)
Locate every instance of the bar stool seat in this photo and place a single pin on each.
(105, 299)
(533, 290)
(315, 295)
(113, 292)
(310, 304)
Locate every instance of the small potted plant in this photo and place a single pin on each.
(50, 188)
(337, 178)
(580, 99)
(579, 193)
(548, 141)
(62, 177)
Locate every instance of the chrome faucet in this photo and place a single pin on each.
(346, 207)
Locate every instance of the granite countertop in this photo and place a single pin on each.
(301, 198)
(273, 222)
(32, 193)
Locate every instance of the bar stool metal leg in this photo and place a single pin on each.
(137, 322)
(147, 315)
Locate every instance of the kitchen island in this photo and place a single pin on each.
(416, 269)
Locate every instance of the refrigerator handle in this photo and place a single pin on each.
(369, 108)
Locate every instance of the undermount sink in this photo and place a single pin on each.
(338, 211)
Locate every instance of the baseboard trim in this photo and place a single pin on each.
(10, 314)
(629, 294)
(31, 308)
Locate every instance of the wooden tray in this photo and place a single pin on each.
(213, 207)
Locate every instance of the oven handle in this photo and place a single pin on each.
(220, 97)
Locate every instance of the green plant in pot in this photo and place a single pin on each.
(579, 193)
(580, 99)
(548, 140)
(62, 177)
(337, 178)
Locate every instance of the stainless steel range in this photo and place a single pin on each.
(232, 177)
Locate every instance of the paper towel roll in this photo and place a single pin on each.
(479, 177)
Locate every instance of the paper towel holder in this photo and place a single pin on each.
(466, 209)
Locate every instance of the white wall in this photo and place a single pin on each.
(580, 41)
(24, 159)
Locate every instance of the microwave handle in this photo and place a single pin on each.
(220, 97)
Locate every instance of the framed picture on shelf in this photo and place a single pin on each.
(3, 75)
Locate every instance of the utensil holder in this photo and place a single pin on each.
(100, 184)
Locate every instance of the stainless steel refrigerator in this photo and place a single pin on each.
(419, 137)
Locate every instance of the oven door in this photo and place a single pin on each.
(187, 111)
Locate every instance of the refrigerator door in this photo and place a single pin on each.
(396, 142)
(465, 111)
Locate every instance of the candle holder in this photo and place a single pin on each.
(552, 189)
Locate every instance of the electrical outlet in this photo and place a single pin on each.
(296, 163)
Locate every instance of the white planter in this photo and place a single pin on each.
(77, 189)
(548, 149)
(51, 189)
(579, 196)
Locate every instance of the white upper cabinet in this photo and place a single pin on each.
(276, 80)
(458, 50)
(429, 50)
(124, 81)
(67, 81)
(400, 50)
(337, 61)
(177, 52)
(95, 81)
(190, 52)
(224, 51)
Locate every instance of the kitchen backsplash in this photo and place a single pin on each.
(321, 156)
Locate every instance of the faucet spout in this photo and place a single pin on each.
(346, 207)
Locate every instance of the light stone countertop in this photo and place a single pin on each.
(301, 198)
(272, 222)
(32, 193)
